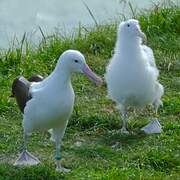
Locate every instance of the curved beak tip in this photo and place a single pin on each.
(92, 76)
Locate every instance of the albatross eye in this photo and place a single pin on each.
(128, 25)
(76, 61)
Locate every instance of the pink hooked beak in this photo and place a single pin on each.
(92, 76)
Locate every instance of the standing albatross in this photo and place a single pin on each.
(49, 103)
(132, 75)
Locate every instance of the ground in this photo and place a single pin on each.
(92, 147)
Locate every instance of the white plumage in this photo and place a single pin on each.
(132, 75)
(52, 103)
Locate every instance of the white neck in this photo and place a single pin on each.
(128, 47)
(60, 77)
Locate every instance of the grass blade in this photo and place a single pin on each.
(91, 14)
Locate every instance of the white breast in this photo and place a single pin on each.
(130, 80)
(48, 108)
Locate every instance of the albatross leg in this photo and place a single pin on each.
(57, 135)
(123, 111)
(59, 167)
(26, 158)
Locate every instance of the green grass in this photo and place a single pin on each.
(91, 133)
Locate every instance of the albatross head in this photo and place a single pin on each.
(74, 61)
(131, 29)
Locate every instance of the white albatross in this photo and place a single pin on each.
(132, 75)
(48, 104)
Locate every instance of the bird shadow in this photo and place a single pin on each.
(114, 137)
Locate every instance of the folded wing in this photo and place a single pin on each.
(20, 89)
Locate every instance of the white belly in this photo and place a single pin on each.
(131, 86)
(44, 112)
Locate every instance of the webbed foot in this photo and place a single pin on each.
(26, 159)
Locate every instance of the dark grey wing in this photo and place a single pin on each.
(20, 89)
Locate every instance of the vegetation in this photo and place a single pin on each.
(92, 148)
